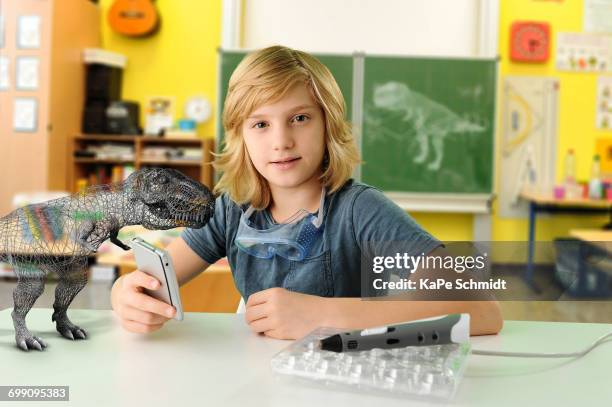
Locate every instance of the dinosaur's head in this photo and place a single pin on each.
(168, 199)
(391, 96)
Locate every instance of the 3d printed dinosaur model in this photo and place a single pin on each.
(59, 235)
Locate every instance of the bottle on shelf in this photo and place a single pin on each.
(595, 181)
(569, 175)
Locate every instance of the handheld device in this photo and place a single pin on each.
(445, 329)
(157, 263)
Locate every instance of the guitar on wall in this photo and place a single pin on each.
(134, 18)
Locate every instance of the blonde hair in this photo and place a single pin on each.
(263, 77)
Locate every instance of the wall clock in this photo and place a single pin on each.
(529, 41)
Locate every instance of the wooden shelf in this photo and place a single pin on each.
(201, 170)
(191, 163)
(162, 140)
(105, 137)
(102, 161)
(141, 139)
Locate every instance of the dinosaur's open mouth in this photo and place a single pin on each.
(184, 213)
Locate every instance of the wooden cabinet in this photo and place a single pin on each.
(36, 159)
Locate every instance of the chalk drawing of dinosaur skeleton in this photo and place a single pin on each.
(432, 121)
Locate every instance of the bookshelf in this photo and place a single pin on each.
(199, 168)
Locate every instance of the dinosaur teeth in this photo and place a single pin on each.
(194, 217)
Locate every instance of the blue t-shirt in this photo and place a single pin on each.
(354, 215)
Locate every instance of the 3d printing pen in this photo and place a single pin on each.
(445, 329)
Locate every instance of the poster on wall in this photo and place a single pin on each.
(4, 73)
(579, 52)
(1, 31)
(27, 73)
(528, 144)
(603, 116)
(159, 114)
(598, 16)
(25, 113)
(28, 32)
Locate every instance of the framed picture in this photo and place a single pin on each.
(28, 32)
(25, 115)
(159, 114)
(27, 70)
(1, 31)
(5, 79)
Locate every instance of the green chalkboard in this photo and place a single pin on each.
(428, 124)
(341, 66)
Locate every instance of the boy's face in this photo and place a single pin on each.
(285, 139)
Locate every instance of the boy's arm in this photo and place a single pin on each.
(187, 263)
(284, 314)
(357, 313)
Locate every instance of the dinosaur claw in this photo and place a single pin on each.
(22, 345)
(73, 333)
(26, 343)
(67, 333)
(42, 343)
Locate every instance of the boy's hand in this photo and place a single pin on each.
(137, 311)
(284, 314)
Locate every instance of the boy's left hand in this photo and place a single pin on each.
(283, 314)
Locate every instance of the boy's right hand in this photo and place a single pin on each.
(137, 311)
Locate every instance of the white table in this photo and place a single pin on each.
(214, 360)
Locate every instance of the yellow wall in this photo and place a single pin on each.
(180, 60)
(447, 227)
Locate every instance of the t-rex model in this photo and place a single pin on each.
(59, 235)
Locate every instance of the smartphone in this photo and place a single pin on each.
(157, 263)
